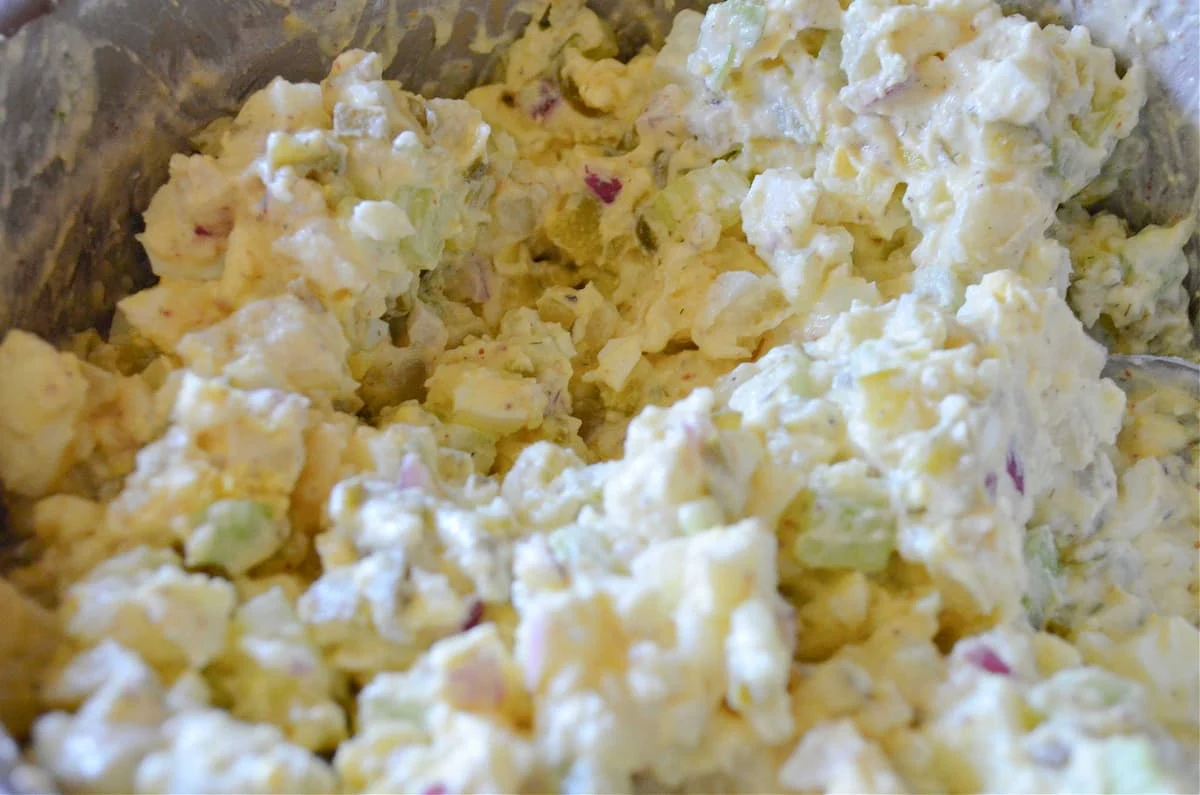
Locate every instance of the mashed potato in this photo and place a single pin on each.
(726, 419)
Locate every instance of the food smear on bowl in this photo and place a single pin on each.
(726, 419)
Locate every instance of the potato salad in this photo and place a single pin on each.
(724, 418)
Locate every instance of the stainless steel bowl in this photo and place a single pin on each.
(96, 94)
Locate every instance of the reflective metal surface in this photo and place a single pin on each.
(1129, 371)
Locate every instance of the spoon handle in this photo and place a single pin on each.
(1180, 373)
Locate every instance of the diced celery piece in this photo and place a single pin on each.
(1043, 565)
(384, 710)
(1132, 766)
(427, 212)
(1040, 550)
(576, 230)
(842, 533)
(717, 190)
(576, 545)
(1079, 151)
(728, 32)
(394, 698)
(235, 535)
(700, 515)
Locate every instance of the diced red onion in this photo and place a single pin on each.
(474, 614)
(984, 657)
(1012, 465)
(606, 190)
(547, 101)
